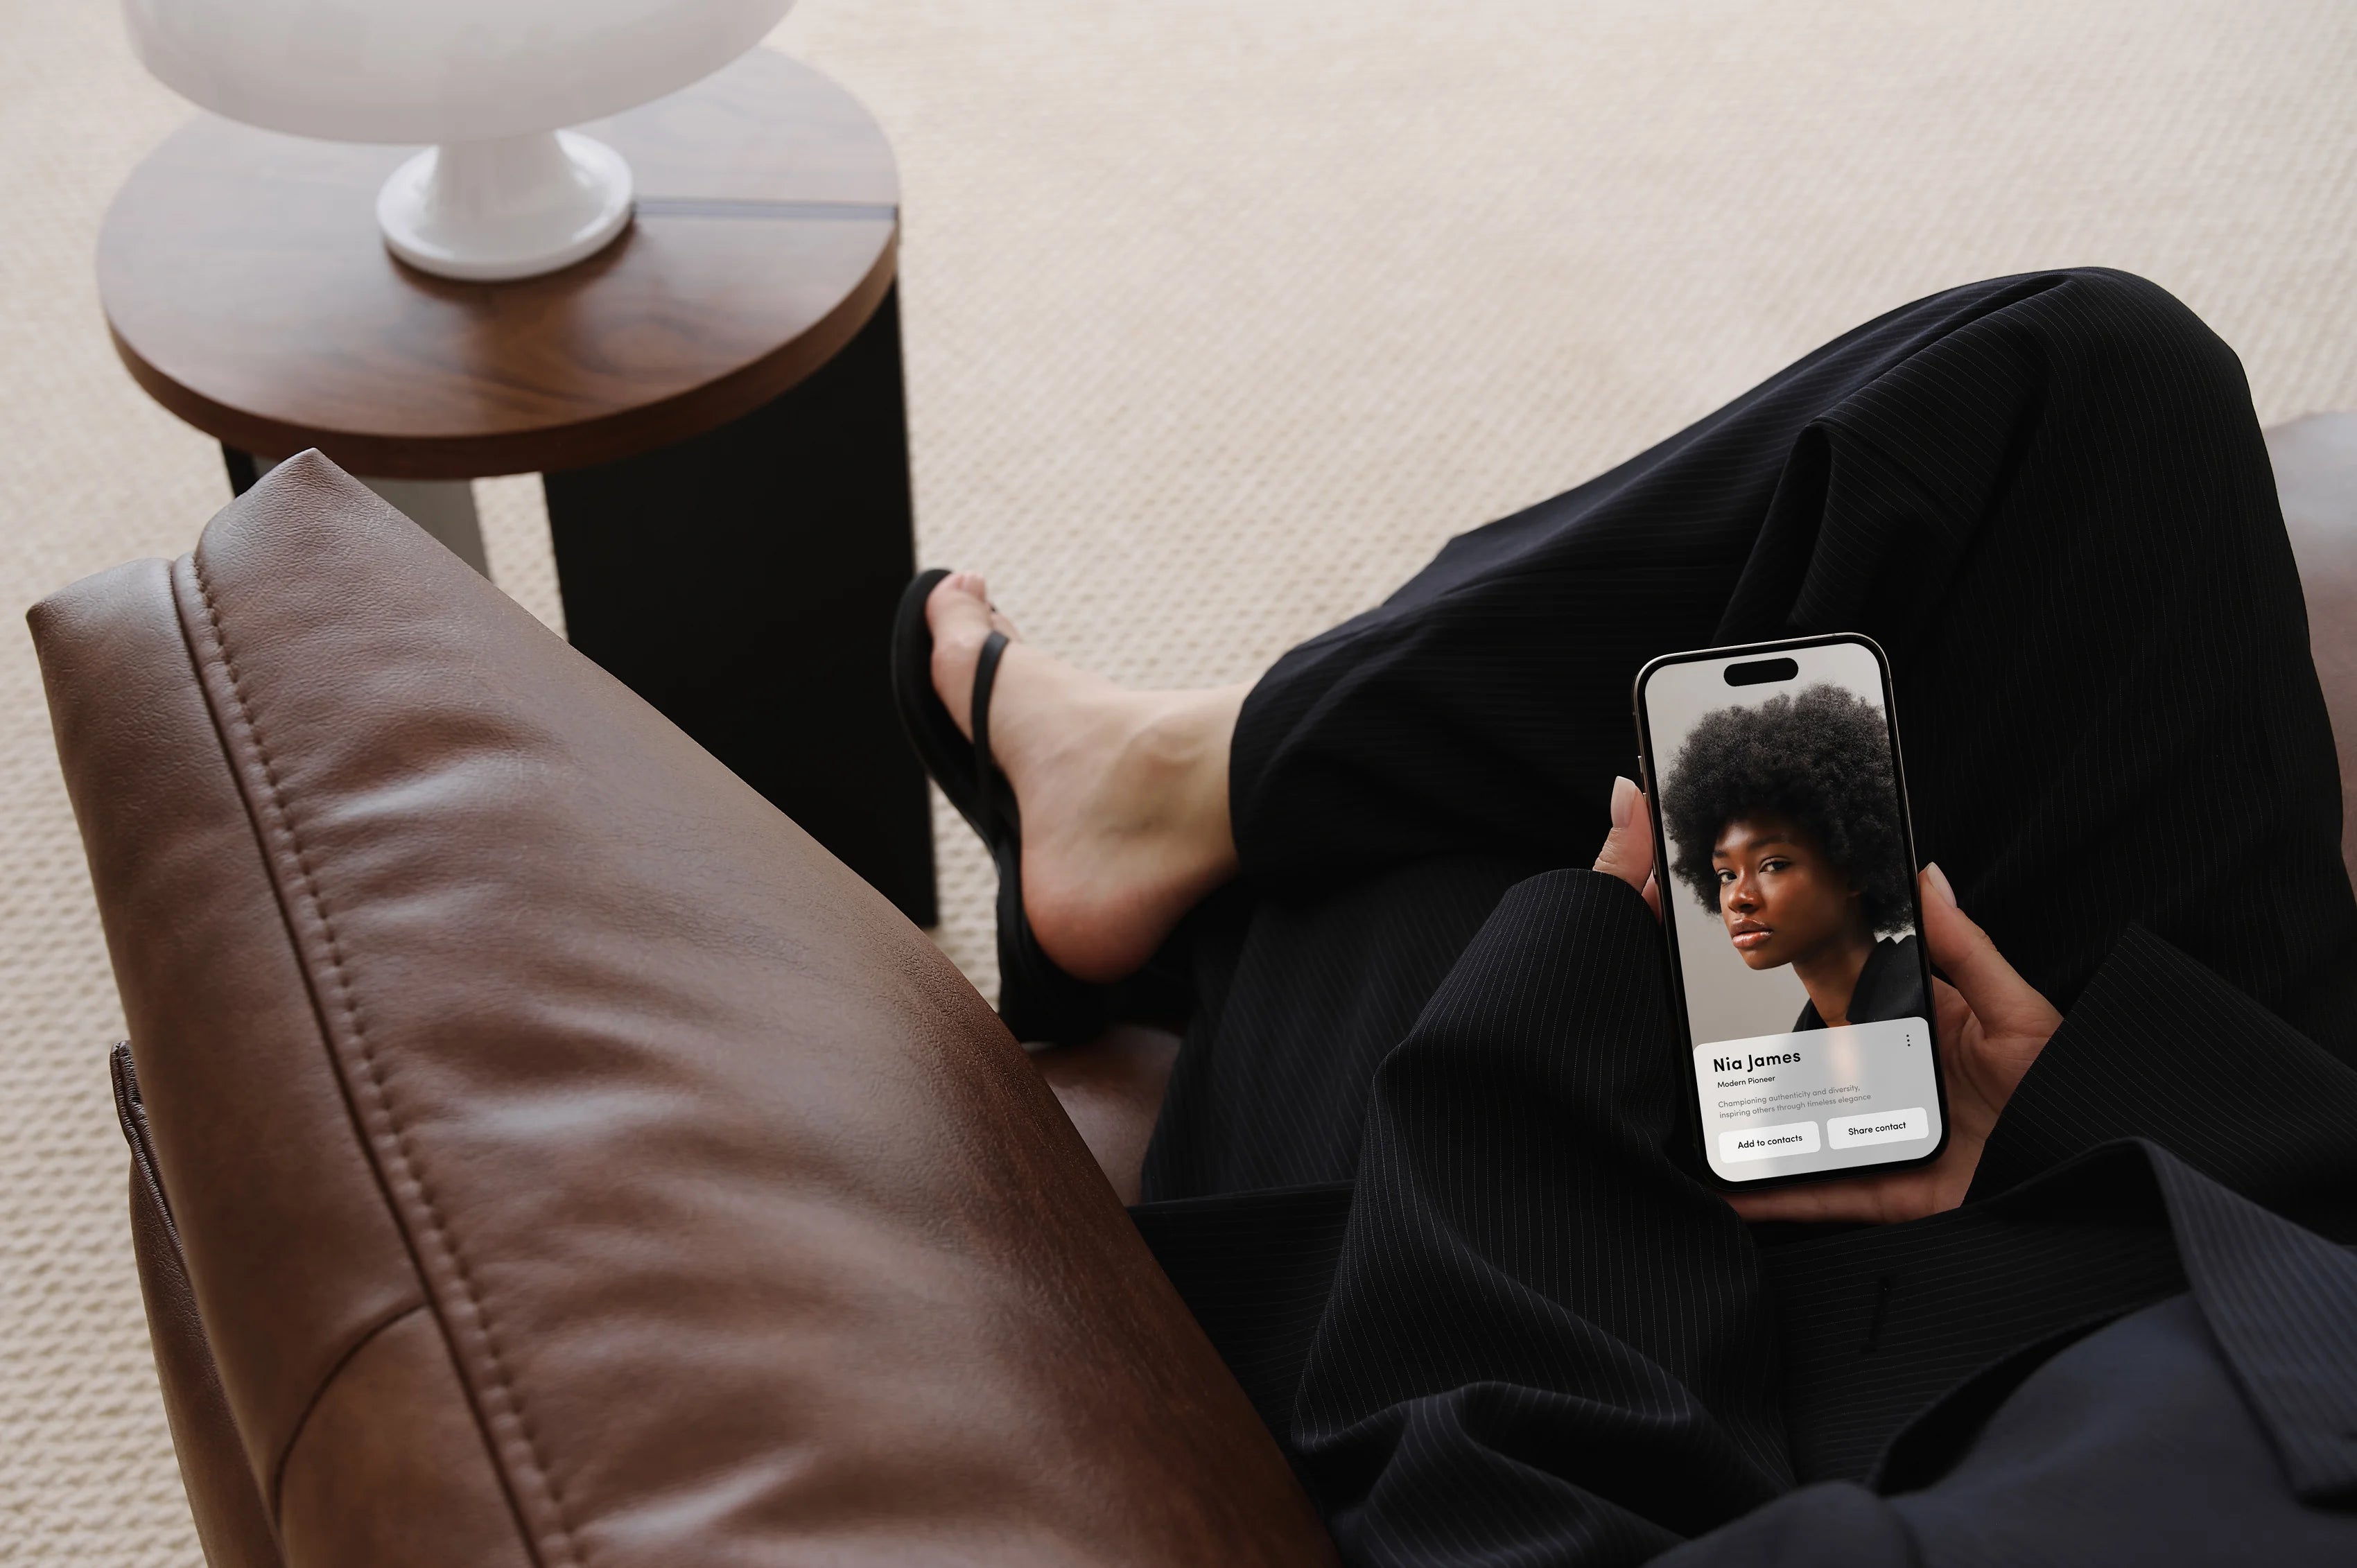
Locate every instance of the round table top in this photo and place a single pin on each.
(249, 292)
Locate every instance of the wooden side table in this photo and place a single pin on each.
(714, 402)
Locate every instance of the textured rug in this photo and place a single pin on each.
(1219, 316)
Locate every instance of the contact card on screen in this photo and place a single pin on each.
(1798, 1103)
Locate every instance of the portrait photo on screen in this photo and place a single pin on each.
(1788, 872)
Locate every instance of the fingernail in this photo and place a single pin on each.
(1938, 881)
(1624, 795)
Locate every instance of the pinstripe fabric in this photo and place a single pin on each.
(1256, 1268)
(2046, 496)
(2282, 1303)
(2161, 1048)
(1544, 1338)
(1543, 1341)
(2241, 1396)
(1323, 988)
(2130, 1445)
(1874, 1325)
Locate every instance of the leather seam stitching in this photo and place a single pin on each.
(349, 1001)
(361, 1342)
(143, 1158)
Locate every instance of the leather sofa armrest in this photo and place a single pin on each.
(1112, 1088)
(571, 1162)
(230, 1524)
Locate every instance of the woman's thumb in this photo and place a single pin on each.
(1627, 851)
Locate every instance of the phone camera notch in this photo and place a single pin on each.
(1760, 672)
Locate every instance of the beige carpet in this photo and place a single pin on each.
(1219, 317)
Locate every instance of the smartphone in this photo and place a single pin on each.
(1786, 864)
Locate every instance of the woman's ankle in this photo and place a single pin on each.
(1185, 745)
(1110, 875)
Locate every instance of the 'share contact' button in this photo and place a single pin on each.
(1889, 1127)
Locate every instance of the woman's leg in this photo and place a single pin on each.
(1297, 1003)
(1546, 1341)
(2045, 496)
(1124, 794)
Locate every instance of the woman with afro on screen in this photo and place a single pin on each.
(1784, 820)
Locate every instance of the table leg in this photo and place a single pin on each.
(443, 508)
(743, 581)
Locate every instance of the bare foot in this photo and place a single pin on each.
(1124, 794)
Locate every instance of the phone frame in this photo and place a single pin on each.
(1669, 925)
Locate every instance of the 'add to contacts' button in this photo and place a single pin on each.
(1891, 1127)
(1766, 1143)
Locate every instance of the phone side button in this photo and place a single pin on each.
(1892, 1127)
(1766, 1143)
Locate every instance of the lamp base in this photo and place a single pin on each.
(513, 208)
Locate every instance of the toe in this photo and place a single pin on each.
(958, 613)
(960, 597)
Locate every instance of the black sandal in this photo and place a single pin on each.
(1036, 999)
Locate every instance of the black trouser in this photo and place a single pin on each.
(2047, 498)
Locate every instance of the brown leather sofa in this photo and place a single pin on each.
(544, 1154)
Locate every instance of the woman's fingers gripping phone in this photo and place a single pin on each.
(1992, 1025)
(1998, 1023)
(1627, 851)
(2007, 1022)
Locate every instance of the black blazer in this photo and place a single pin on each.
(1889, 986)
(2139, 1332)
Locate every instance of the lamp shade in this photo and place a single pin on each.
(504, 191)
(436, 70)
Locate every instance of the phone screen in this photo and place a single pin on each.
(1787, 871)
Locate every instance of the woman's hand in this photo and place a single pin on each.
(1992, 1024)
(1627, 851)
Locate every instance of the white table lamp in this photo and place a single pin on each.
(503, 192)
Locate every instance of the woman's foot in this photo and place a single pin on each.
(1124, 794)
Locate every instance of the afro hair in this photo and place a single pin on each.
(1821, 759)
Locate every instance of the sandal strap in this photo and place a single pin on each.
(986, 767)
